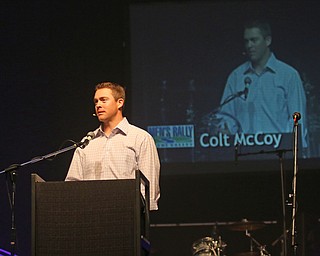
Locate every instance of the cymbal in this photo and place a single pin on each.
(247, 254)
(246, 225)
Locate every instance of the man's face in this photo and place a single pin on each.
(257, 46)
(106, 106)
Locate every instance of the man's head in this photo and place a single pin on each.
(109, 101)
(257, 38)
(118, 91)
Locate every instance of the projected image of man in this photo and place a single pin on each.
(272, 90)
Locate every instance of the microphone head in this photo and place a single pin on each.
(85, 141)
(90, 135)
(296, 116)
(247, 80)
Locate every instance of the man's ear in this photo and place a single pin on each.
(120, 103)
(269, 40)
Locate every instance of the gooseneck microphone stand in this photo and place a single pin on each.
(296, 118)
(209, 117)
(12, 171)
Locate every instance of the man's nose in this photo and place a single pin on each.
(249, 44)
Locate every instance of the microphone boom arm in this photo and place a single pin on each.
(14, 167)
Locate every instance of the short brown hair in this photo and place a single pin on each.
(263, 25)
(118, 91)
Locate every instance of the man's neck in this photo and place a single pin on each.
(260, 65)
(109, 125)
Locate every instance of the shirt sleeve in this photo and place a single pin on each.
(75, 170)
(149, 165)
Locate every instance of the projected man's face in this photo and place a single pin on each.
(257, 46)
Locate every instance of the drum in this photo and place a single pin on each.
(204, 247)
(207, 246)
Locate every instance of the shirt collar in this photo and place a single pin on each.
(271, 65)
(122, 127)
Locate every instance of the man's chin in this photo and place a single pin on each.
(252, 58)
(101, 119)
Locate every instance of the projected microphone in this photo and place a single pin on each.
(85, 141)
(296, 116)
(247, 82)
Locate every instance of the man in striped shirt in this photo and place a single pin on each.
(118, 148)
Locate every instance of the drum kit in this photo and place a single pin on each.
(214, 246)
(208, 246)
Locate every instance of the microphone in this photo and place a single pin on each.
(85, 141)
(247, 82)
(296, 116)
(94, 115)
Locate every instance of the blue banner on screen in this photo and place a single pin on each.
(184, 143)
(173, 136)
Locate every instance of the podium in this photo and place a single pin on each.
(101, 217)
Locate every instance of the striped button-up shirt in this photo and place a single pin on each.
(273, 96)
(117, 156)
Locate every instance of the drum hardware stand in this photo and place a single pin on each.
(282, 240)
(262, 248)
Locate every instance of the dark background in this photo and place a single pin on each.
(52, 55)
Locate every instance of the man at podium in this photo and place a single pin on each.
(118, 148)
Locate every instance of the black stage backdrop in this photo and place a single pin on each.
(52, 55)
